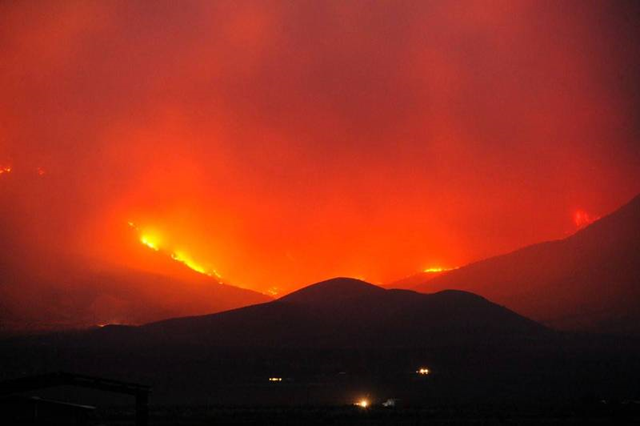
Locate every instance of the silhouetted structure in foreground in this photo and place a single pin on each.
(32, 410)
(75, 414)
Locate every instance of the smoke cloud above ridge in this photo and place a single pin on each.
(286, 142)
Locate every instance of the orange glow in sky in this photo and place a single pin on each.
(282, 143)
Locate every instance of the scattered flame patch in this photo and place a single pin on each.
(185, 259)
(8, 169)
(583, 219)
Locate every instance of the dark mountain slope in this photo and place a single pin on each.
(81, 293)
(589, 281)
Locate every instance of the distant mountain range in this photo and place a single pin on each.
(334, 337)
(338, 340)
(589, 281)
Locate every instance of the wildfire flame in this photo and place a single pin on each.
(149, 242)
(5, 169)
(153, 242)
(185, 259)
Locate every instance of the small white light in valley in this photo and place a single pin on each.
(389, 403)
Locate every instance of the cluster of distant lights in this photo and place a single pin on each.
(365, 403)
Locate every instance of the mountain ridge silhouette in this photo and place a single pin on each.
(589, 281)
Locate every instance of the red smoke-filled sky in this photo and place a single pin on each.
(284, 142)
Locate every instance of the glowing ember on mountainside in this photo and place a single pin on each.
(5, 169)
(583, 219)
(436, 270)
(273, 291)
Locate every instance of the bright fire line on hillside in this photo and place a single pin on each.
(153, 242)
